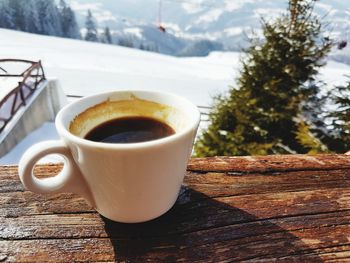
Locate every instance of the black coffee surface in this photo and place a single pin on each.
(130, 130)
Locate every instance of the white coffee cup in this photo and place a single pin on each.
(131, 182)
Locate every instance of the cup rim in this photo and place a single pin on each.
(64, 132)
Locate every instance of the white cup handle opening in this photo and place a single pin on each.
(69, 179)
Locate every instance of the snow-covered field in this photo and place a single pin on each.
(88, 68)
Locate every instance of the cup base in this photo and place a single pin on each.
(139, 218)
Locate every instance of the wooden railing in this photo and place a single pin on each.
(19, 87)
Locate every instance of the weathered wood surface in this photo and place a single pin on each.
(230, 209)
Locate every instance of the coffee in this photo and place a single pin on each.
(108, 110)
(130, 130)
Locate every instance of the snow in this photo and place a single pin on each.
(268, 13)
(135, 31)
(192, 8)
(237, 4)
(335, 73)
(213, 15)
(86, 68)
(8, 84)
(233, 31)
(85, 6)
(46, 132)
(105, 16)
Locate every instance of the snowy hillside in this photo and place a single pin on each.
(224, 21)
(87, 68)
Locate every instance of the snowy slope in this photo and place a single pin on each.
(45, 132)
(87, 68)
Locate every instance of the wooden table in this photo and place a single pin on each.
(255, 209)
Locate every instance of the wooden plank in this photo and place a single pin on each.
(9, 180)
(248, 164)
(221, 182)
(232, 220)
(57, 250)
(188, 217)
(16, 204)
(197, 186)
(278, 243)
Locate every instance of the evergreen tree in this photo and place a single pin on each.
(126, 41)
(18, 13)
(107, 37)
(50, 19)
(340, 128)
(31, 17)
(266, 112)
(91, 31)
(39, 16)
(69, 24)
(7, 15)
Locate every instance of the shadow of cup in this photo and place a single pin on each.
(199, 228)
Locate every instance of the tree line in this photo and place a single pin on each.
(92, 32)
(105, 36)
(47, 17)
(40, 17)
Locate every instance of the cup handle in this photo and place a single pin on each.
(69, 179)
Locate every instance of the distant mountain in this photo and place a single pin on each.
(187, 23)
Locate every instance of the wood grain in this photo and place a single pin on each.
(249, 164)
(253, 209)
